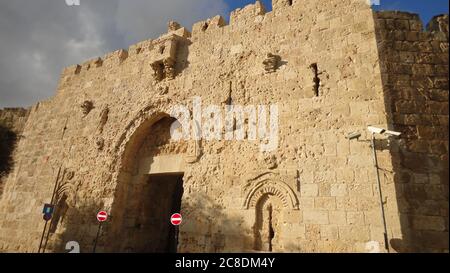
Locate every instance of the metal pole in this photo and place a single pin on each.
(54, 195)
(177, 230)
(383, 216)
(42, 237)
(96, 237)
(51, 202)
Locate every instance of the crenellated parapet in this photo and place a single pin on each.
(162, 54)
(248, 14)
(208, 25)
(109, 60)
(115, 58)
(405, 21)
(439, 23)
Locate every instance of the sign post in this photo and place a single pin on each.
(48, 212)
(176, 220)
(102, 216)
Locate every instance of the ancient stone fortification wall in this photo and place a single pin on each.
(94, 138)
(414, 65)
(13, 120)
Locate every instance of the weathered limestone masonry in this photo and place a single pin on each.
(415, 79)
(103, 139)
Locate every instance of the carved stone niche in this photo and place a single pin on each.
(270, 183)
(163, 58)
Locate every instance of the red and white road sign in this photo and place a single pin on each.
(176, 219)
(102, 216)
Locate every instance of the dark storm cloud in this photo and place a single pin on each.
(40, 37)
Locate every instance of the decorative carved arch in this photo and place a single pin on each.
(64, 197)
(142, 121)
(133, 139)
(67, 187)
(262, 186)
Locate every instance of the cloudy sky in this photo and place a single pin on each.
(38, 38)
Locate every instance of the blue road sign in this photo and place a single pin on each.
(48, 209)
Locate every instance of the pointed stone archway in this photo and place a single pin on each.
(149, 189)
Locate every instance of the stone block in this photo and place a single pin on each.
(325, 203)
(354, 233)
(309, 190)
(338, 190)
(315, 217)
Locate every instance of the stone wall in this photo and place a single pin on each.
(14, 118)
(414, 65)
(12, 123)
(318, 61)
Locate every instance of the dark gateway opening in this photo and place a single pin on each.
(163, 198)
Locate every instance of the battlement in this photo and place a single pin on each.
(439, 23)
(250, 14)
(162, 51)
(247, 14)
(207, 25)
(406, 21)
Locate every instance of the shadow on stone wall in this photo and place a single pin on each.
(8, 141)
(209, 227)
(417, 106)
(206, 227)
(77, 224)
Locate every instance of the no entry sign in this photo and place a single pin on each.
(176, 219)
(102, 216)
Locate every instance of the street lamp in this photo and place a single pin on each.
(379, 131)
